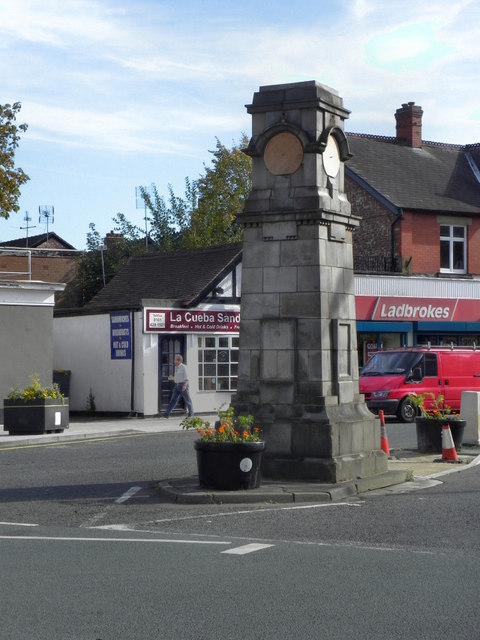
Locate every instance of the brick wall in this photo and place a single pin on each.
(421, 239)
(416, 235)
(373, 236)
(46, 267)
(49, 268)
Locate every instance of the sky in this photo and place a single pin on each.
(125, 93)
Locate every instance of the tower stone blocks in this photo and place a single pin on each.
(298, 369)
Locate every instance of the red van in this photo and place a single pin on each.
(391, 375)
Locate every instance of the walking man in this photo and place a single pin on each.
(180, 390)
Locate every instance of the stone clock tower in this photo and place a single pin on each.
(298, 369)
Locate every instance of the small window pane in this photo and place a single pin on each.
(210, 370)
(458, 255)
(223, 369)
(223, 384)
(444, 255)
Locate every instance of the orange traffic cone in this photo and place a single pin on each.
(383, 433)
(449, 453)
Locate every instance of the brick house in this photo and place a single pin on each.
(43, 257)
(419, 204)
(419, 201)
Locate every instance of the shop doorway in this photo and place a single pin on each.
(168, 346)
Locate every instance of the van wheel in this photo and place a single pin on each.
(406, 411)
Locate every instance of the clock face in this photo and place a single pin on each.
(283, 154)
(331, 157)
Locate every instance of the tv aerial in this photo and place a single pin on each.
(27, 219)
(45, 214)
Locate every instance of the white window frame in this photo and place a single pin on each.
(217, 362)
(452, 241)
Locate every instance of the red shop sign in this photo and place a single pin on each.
(415, 309)
(190, 321)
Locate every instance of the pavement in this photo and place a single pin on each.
(407, 468)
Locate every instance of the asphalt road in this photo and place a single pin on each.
(89, 550)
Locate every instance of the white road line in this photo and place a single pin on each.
(128, 494)
(247, 548)
(223, 514)
(74, 539)
(18, 524)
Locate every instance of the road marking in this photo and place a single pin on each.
(75, 539)
(19, 524)
(128, 494)
(65, 443)
(224, 514)
(247, 548)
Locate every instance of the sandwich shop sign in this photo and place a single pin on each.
(190, 320)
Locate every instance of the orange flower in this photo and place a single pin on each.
(246, 434)
(222, 428)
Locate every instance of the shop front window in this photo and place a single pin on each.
(217, 363)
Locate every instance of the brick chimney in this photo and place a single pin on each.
(409, 124)
(113, 238)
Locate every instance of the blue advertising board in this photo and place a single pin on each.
(120, 335)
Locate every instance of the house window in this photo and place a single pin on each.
(217, 363)
(453, 248)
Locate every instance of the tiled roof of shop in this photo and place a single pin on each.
(181, 277)
(434, 177)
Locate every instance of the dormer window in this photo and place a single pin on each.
(453, 248)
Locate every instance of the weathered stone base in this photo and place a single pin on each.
(319, 442)
(330, 470)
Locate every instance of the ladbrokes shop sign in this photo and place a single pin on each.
(411, 309)
(190, 321)
(398, 308)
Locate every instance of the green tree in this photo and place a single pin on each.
(11, 177)
(222, 193)
(169, 220)
(99, 263)
(205, 216)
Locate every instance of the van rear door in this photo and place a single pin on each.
(461, 372)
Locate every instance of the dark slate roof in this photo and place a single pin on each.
(182, 277)
(434, 177)
(33, 242)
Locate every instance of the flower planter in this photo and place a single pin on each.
(229, 466)
(35, 416)
(429, 433)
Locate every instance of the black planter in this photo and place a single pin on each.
(35, 416)
(429, 433)
(229, 466)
